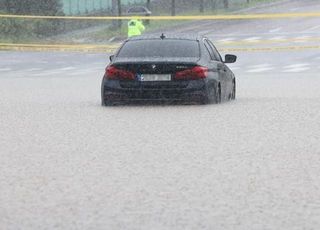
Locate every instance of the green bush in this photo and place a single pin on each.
(15, 30)
(18, 29)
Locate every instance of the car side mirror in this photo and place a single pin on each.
(230, 58)
(111, 57)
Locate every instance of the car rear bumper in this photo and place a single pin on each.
(113, 91)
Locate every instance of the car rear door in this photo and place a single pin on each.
(227, 75)
(217, 63)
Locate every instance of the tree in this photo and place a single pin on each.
(16, 28)
(226, 4)
(148, 4)
(173, 7)
(213, 4)
(116, 10)
(119, 13)
(201, 6)
(33, 7)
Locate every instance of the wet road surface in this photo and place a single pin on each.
(68, 163)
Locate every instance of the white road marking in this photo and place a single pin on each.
(294, 9)
(260, 68)
(205, 32)
(296, 68)
(47, 73)
(252, 39)
(53, 72)
(261, 65)
(278, 38)
(33, 69)
(235, 67)
(313, 28)
(297, 65)
(67, 68)
(226, 40)
(275, 30)
(86, 71)
(302, 39)
(5, 69)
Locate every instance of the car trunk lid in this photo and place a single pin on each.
(155, 66)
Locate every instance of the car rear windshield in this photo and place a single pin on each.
(160, 48)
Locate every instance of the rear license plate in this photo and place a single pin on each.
(154, 77)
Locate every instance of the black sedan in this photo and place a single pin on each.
(168, 68)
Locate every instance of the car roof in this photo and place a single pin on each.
(193, 37)
(135, 8)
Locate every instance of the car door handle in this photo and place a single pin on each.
(222, 69)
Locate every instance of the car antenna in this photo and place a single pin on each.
(162, 36)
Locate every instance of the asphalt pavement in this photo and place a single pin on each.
(68, 163)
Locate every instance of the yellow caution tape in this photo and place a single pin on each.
(112, 48)
(186, 17)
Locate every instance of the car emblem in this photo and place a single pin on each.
(154, 67)
(140, 77)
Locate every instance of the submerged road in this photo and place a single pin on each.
(68, 163)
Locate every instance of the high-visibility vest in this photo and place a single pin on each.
(135, 28)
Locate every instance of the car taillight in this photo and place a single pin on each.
(194, 73)
(115, 73)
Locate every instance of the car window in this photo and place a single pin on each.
(160, 48)
(215, 51)
(136, 10)
(213, 54)
(210, 51)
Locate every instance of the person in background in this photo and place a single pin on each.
(135, 27)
